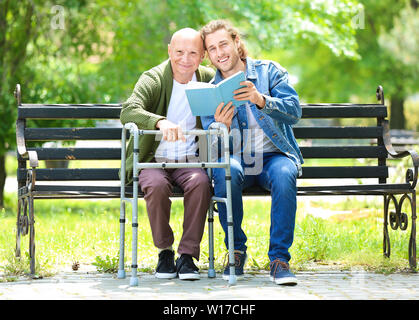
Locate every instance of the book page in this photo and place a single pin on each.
(199, 85)
(229, 85)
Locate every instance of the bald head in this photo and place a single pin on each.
(188, 33)
(186, 51)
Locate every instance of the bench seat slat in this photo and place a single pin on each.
(92, 191)
(101, 174)
(66, 191)
(358, 187)
(376, 189)
(83, 189)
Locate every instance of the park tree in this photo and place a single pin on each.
(387, 55)
(93, 51)
(40, 48)
(401, 44)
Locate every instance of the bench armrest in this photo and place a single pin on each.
(411, 175)
(32, 156)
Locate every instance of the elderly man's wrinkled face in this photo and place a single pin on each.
(186, 52)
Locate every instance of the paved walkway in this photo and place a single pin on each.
(319, 285)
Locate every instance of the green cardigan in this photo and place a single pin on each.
(148, 104)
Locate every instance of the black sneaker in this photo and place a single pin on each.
(186, 268)
(166, 266)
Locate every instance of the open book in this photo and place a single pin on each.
(204, 98)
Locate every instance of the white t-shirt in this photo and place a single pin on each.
(179, 112)
(257, 140)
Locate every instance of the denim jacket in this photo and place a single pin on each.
(282, 108)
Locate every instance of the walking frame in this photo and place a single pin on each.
(216, 129)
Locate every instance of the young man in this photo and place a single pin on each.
(263, 125)
(159, 102)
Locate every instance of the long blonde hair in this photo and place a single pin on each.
(215, 25)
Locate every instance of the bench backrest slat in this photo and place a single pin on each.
(332, 132)
(61, 174)
(78, 153)
(53, 134)
(344, 111)
(112, 111)
(68, 112)
(333, 152)
(67, 134)
(345, 172)
(344, 152)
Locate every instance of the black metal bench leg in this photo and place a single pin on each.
(399, 220)
(386, 237)
(32, 236)
(412, 240)
(18, 228)
(26, 224)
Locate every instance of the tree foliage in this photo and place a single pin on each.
(140, 31)
(388, 50)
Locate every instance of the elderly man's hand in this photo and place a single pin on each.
(171, 131)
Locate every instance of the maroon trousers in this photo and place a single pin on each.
(157, 187)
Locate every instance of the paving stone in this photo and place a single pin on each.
(311, 286)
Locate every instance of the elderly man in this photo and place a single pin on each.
(263, 125)
(159, 102)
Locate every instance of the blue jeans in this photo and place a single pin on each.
(279, 176)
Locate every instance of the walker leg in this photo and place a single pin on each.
(121, 271)
(134, 278)
(211, 270)
(232, 277)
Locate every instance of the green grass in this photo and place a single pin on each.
(88, 232)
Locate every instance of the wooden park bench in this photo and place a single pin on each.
(81, 183)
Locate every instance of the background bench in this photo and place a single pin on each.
(320, 136)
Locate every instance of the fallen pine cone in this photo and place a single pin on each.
(75, 266)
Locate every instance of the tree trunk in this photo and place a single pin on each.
(397, 118)
(2, 178)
